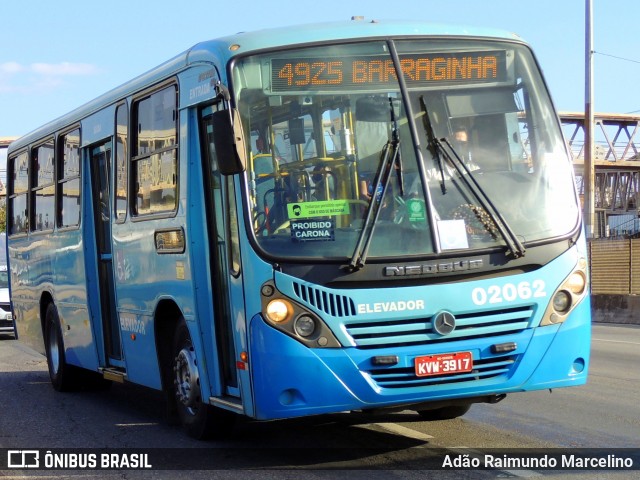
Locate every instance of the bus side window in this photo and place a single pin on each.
(18, 187)
(42, 187)
(68, 209)
(122, 128)
(155, 159)
(234, 234)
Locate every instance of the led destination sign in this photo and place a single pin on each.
(303, 74)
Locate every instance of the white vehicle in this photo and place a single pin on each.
(6, 317)
(6, 314)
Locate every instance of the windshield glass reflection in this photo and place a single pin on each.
(321, 120)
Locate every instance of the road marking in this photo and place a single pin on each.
(404, 431)
(616, 341)
(52, 476)
(411, 433)
(150, 424)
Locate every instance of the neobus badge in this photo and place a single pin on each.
(435, 267)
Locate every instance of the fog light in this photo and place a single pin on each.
(304, 325)
(578, 365)
(278, 310)
(562, 301)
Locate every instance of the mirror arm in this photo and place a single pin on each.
(222, 92)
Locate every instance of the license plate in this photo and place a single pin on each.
(444, 364)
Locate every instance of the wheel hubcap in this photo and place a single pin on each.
(187, 378)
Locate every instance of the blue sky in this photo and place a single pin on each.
(57, 55)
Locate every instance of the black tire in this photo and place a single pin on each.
(63, 377)
(199, 419)
(444, 413)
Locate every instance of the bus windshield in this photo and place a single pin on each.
(478, 157)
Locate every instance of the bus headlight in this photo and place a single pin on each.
(295, 319)
(569, 294)
(279, 310)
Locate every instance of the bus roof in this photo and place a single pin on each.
(309, 33)
(219, 50)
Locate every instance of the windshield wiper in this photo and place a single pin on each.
(516, 248)
(389, 157)
(435, 146)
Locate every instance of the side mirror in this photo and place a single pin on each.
(228, 140)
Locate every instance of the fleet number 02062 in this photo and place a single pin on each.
(508, 292)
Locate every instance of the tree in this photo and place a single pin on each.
(3, 217)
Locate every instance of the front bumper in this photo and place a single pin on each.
(291, 380)
(6, 320)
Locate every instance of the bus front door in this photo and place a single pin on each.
(100, 165)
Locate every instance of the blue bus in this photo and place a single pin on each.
(314, 219)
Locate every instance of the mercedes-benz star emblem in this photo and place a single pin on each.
(444, 323)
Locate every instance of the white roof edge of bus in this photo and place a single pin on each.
(313, 32)
(256, 40)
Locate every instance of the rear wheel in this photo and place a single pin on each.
(444, 413)
(199, 419)
(63, 377)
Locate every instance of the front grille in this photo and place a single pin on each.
(388, 333)
(6, 323)
(404, 377)
(327, 302)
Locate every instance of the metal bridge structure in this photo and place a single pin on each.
(617, 169)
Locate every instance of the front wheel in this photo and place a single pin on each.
(444, 413)
(199, 419)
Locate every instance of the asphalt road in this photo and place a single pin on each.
(603, 413)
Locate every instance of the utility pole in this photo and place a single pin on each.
(588, 176)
